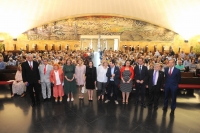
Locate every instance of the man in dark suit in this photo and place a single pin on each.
(172, 79)
(155, 84)
(141, 76)
(31, 78)
(113, 74)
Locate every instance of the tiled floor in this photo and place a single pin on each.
(17, 116)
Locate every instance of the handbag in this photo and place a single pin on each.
(52, 85)
(83, 89)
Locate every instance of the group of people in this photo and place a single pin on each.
(64, 80)
(66, 71)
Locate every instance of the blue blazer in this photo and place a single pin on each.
(117, 75)
(172, 81)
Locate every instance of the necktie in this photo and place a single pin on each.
(45, 69)
(140, 69)
(154, 78)
(170, 71)
(31, 65)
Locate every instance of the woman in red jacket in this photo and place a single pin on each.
(57, 77)
(127, 76)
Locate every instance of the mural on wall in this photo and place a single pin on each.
(128, 29)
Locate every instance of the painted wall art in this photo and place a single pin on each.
(128, 29)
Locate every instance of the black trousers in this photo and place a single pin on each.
(154, 94)
(36, 87)
(112, 87)
(140, 90)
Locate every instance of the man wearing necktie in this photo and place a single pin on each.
(31, 78)
(155, 84)
(45, 70)
(141, 76)
(172, 79)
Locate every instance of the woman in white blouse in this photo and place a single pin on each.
(18, 86)
(102, 80)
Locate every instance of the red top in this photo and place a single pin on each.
(53, 76)
(85, 55)
(131, 71)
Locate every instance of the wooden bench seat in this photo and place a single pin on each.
(6, 75)
(186, 86)
(189, 86)
(187, 74)
(11, 67)
(7, 83)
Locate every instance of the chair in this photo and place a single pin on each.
(198, 72)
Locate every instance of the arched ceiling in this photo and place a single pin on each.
(180, 16)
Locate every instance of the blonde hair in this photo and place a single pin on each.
(56, 64)
(79, 60)
(18, 67)
(104, 61)
(172, 60)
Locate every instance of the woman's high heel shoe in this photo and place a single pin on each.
(99, 97)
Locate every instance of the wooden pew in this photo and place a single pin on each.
(187, 74)
(6, 75)
(189, 82)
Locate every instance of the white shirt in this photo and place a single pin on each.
(101, 74)
(157, 53)
(57, 78)
(169, 57)
(171, 70)
(30, 63)
(112, 72)
(46, 66)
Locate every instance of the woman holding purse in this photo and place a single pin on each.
(80, 76)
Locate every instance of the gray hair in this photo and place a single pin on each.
(29, 55)
(156, 64)
(45, 58)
